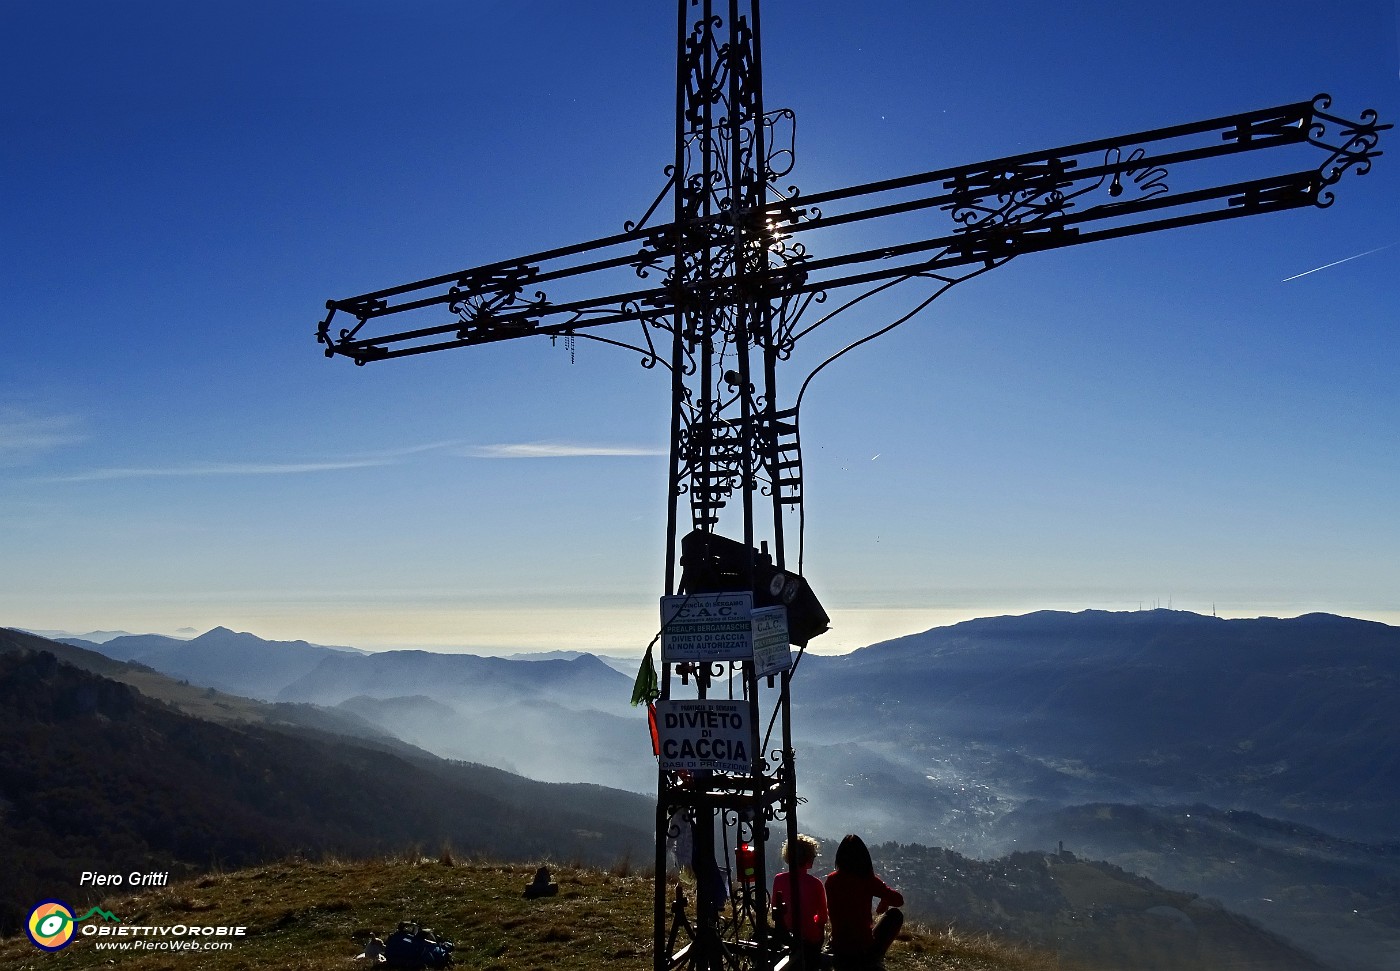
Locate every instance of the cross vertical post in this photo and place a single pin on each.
(722, 440)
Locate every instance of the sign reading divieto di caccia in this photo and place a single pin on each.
(704, 734)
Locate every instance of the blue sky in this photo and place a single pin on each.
(1149, 421)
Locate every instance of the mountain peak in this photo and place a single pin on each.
(222, 635)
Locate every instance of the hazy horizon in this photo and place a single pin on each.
(1200, 417)
(857, 628)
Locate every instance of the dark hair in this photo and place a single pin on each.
(852, 857)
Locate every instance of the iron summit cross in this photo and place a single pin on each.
(718, 296)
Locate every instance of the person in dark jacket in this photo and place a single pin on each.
(857, 941)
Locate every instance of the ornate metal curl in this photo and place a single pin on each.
(781, 152)
(792, 214)
(649, 356)
(1356, 150)
(689, 366)
(655, 248)
(482, 304)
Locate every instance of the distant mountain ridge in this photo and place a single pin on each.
(98, 775)
(220, 658)
(125, 647)
(1009, 732)
(512, 713)
(1016, 732)
(466, 677)
(1292, 718)
(246, 664)
(91, 637)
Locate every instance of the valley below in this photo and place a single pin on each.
(1223, 793)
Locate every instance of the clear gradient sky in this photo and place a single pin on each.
(1168, 419)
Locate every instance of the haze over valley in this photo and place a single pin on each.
(1248, 761)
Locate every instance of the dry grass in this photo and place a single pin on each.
(922, 948)
(317, 916)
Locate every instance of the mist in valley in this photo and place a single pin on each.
(1246, 761)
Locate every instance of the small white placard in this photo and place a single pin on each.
(771, 651)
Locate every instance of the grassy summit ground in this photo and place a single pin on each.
(318, 916)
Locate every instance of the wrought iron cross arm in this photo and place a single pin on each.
(604, 281)
(1126, 185)
(1043, 226)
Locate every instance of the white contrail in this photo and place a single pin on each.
(208, 469)
(216, 469)
(555, 450)
(1337, 262)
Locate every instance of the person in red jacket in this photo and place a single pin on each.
(856, 942)
(811, 899)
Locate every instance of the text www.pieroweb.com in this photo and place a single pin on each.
(164, 945)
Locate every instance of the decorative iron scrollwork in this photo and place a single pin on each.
(982, 200)
(780, 142)
(656, 248)
(1352, 144)
(479, 300)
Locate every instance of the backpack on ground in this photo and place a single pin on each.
(413, 947)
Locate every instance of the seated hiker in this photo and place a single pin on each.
(856, 942)
(810, 900)
(401, 950)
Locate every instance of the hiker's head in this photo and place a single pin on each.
(802, 852)
(853, 857)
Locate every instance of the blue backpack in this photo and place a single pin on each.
(412, 946)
